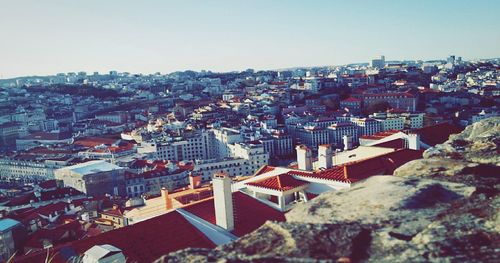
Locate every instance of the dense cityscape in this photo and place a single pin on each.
(322, 131)
(89, 158)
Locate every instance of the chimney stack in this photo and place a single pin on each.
(304, 157)
(194, 180)
(223, 201)
(168, 200)
(413, 141)
(347, 142)
(325, 156)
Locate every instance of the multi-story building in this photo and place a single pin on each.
(246, 159)
(94, 178)
(169, 176)
(116, 117)
(414, 120)
(404, 101)
(9, 132)
(269, 122)
(223, 137)
(392, 123)
(399, 121)
(43, 138)
(338, 131)
(283, 145)
(312, 136)
(351, 104)
(12, 238)
(135, 184)
(378, 63)
(367, 126)
(193, 146)
(31, 167)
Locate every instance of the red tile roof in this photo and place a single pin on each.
(379, 135)
(249, 213)
(116, 212)
(362, 169)
(264, 169)
(282, 182)
(395, 144)
(58, 235)
(94, 141)
(334, 174)
(380, 165)
(48, 184)
(44, 196)
(145, 241)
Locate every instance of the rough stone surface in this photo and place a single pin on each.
(471, 157)
(443, 208)
(478, 143)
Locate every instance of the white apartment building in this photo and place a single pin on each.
(283, 145)
(30, 168)
(245, 161)
(366, 126)
(339, 130)
(223, 137)
(199, 145)
(392, 123)
(410, 120)
(312, 136)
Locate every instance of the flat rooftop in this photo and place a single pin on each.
(92, 167)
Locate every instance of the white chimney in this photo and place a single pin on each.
(304, 157)
(413, 141)
(325, 156)
(223, 200)
(347, 142)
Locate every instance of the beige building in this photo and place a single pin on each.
(94, 178)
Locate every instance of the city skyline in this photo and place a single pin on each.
(55, 36)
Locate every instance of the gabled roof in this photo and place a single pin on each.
(49, 184)
(58, 235)
(335, 173)
(362, 169)
(145, 241)
(282, 182)
(249, 213)
(44, 196)
(116, 212)
(395, 144)
(264, 169)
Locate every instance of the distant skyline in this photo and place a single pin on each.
(51, 36)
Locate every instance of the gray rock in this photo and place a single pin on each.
(478, 143)
(379, 200)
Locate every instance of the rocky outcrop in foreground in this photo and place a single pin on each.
(443, 208)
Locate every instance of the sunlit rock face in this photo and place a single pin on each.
(443, 208)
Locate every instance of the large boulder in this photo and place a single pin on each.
(478, 143)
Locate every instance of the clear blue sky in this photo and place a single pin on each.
(40, 37)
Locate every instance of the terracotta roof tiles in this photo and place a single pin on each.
(282, 182)
(249, 213)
